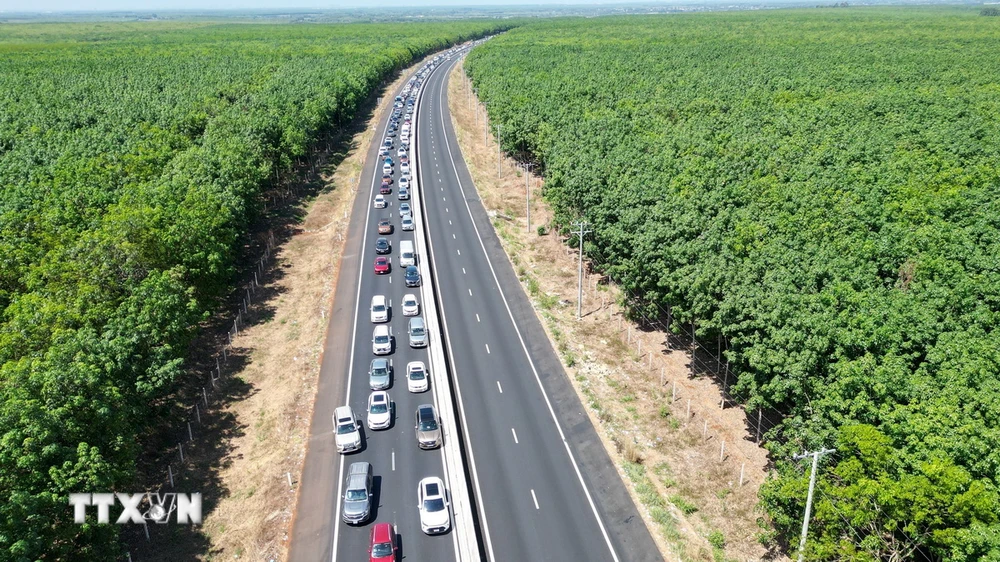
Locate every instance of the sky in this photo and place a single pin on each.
(152, 5)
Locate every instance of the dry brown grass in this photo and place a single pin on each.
(252, 519)
(672, 464)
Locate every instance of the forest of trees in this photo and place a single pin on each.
(820, 189)
(133, 159)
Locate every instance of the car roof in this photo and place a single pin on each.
(425, 410)
(378, 299)
(341, 412)
(359, 468)
(416, 320)
(382, 532)
(380, 363)
(382, 328)
(432, 486)
(411, 268)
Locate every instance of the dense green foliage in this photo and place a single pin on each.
(822, 189)
(132, 161)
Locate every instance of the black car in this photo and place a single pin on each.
(412, 276)
(382, 246)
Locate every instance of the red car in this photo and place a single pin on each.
(385, 189)
(382, 265)
(387, 178)
(382, 546)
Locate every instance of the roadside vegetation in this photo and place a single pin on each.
(134, 160)
(816, 190)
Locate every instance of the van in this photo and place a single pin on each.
(406, 254)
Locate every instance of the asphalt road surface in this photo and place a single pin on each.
(545, 488)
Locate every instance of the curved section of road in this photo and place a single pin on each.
(545, 486)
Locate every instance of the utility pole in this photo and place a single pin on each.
(809, 499)
(527, 197)
(499, 128)
(579, 273)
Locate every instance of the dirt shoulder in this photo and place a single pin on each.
(250, 441)
(693, 466)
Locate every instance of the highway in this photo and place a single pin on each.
(318, 532)
(545, 486)
(545, 489)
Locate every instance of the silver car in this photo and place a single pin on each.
(358, 493)
(380, 374)
(418, 332)
(428, 427)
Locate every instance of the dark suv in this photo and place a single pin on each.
(412, 276)
(382, 246)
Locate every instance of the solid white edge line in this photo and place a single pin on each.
(354, 336)
(466, 550)
(465, 426)
(548, 403)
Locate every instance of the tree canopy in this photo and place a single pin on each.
(133, 159)
(820, 188)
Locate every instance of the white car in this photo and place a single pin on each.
(404, 209)
(379, 410)
(404, 183)
(406, 223)
(379, 309)
(433, 504)
(380, 202)
(346, 429)
(416, 376)
(410, 305)
(401, 152)
(404, 168)
(381, 340)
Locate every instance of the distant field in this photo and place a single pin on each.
(819, 190)
(133, 158)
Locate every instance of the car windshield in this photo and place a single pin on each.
(417, 374)
(382, 549)
(345, 428)
(435, 504)
(379, 308)
(379, 372)
(409, 302)
(379, 408)
(357, 495)
(428, 424)
(418, 331)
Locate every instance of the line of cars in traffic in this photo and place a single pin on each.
(432, 496)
